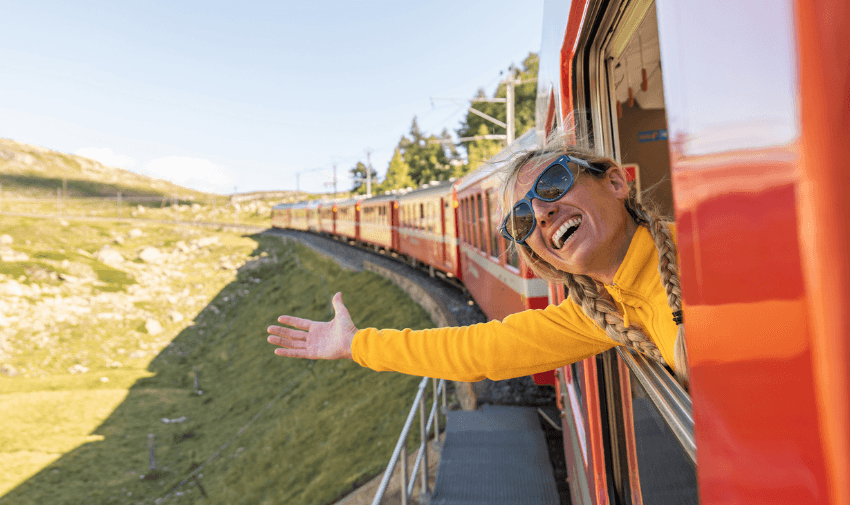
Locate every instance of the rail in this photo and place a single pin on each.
(400, 451)
(672, 402)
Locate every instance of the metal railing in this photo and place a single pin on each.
(672, 402)
(400, 451)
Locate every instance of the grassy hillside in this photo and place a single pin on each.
(28, 170)
(88, 377)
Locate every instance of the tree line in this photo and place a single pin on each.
(420, 158)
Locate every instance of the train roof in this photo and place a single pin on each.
(380, 198)
(527, 141)
(432, 189)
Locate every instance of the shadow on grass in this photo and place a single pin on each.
(74, 187)
(332, 426)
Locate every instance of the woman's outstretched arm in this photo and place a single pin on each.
(313, 339)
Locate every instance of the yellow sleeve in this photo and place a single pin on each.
(522, 344)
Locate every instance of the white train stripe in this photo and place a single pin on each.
(529, 288)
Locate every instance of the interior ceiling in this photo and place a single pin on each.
(646, 38)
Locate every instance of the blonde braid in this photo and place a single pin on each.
(668, 269)
(598, 305)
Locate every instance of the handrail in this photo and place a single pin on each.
(400, 451)
(672, 402)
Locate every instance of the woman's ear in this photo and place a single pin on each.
(616, 181)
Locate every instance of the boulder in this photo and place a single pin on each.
(150, 254)
(135, 232)
(78, 369)
(109, 256)
(6, 239)
(175, 316)
(153, 327)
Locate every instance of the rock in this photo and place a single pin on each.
(78, 369)
(6, 239)
(66, 263)
(175, 316)
(182, 247)
(118, 239)
(196, 207)
(150, 254)
(104, 379)
(109, 256)
(135, 232)
(8, 370)
(153, 327)
(8, 254)
(140, 209)
(11, 288)
(62, 222)
(206, 241)
(137, 354)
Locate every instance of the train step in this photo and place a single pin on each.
(494, 456)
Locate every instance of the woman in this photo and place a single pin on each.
(574, 219)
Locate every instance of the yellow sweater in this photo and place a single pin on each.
(531, 341)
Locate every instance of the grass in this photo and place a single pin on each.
(74, 439)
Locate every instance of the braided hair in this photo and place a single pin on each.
(589, 294)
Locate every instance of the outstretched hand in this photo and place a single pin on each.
(318, 340)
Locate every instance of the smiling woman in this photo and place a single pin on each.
(574, 219)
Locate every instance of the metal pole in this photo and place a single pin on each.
(510, 107)
(404, 473)
(423, 470)
(436, 414)
(368, 173)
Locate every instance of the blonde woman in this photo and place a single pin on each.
(574, 219)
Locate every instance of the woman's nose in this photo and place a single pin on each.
(544, 212)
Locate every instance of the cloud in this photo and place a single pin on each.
(195, 173)
(107, 157)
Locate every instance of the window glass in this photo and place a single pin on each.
(512, 256)
(492, 211)
(482, 224)
(473, 218)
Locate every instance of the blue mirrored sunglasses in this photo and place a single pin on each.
(552, 184)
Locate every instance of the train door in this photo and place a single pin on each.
(618, 82)
(443, 212)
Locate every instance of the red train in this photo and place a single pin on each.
(736, 114)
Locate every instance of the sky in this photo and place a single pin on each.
(242, 96)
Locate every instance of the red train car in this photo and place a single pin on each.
(379, 221)
(499, 282)
(327, 217)
(428, 226)
(347, 216)
(757, 103)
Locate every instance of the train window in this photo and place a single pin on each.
(473, 221)
(482, 224)
(464, 220)
(512, 256)
(494, 219)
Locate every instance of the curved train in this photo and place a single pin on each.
(735, 115)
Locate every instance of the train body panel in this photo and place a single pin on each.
(376, 221)
(427, 226)
(347, 217)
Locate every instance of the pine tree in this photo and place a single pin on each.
(398, 174)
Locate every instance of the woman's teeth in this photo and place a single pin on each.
(566, 231)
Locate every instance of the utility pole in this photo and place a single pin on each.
(510, 106)
(368, 173)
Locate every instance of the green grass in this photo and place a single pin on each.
(77, 439)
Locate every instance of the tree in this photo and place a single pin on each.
(429, 158)
(398, 174)
(358, 176)
(525, 96)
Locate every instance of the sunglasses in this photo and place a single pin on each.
(552, 184)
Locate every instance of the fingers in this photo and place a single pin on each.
(293, 353)
(287, 332)
(287, 342)
(297, 322)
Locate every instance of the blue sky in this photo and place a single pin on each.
(217, 95)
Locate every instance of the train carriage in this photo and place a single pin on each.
(327, 217)
(428, 226)
(747, 165)
(347, 215)
(379, 221)
(498, 281)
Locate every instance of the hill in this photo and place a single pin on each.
(33, 171)
(103, 327)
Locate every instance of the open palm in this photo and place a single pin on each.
(314, 339)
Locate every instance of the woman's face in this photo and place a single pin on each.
(588, 230)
